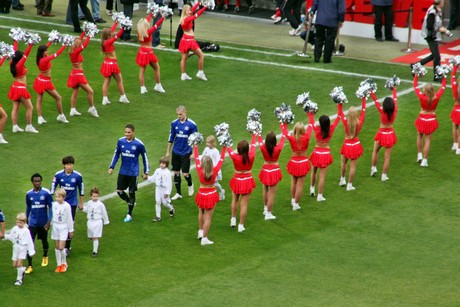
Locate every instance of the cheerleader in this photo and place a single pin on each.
(426, 123)
(351, 148)
(455, 114)
(321, 156)
(145, 55)
(18, 92)
(3, 115)
(298, 166)
(385, 136)
(242, 182)
(270, 174)
(207, 196)
(188, 43)
(77, 77)
(110, 66)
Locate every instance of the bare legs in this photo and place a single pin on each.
(386, 160)
(297, 188)
(204, 220)
(29, 109)
(269, 196)
(89, 95)
(55, 95)
(184, 58)
(243, 199)
(351, 174)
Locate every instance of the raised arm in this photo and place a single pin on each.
(252, 150)
(55, 55)
(363, 109)
(112, 40)
(156, 26)
(376, 101)
(453, 82)
(395, 99)
(443, 87)
(114, 27)
(221, 160)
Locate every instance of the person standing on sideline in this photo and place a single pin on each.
(181, 129)
(72, 183)
(38, 212)
(128, 9)
(383, 9)
(291, 10)
(330, 15)
(129, 148)
(454, 4)
(73, 6)
(156, 34)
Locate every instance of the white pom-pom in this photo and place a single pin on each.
(455, 60)
(67, 40)
(306, 103)
(302, 98)
(33, 38)
(284, 114)
(418, 69)
(443, 70)
(54, 37)
(18, 34)
(254, 125)
(166, 11)
(152, 8)
(365, 88)
(126, 23)
(338, 96)
(6, 50)
(221, 129)
(211, 4)
(117, 16)
(195, 139)
(90, 29)
(392, 82)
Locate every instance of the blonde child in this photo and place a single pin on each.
(163, 182)
(97, 217)
(22, 244)
(62, 223)
(211, 151)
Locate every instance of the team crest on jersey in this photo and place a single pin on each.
(73, 180)
(42, 197)
(186, 128)
(133, 147)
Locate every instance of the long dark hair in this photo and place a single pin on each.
(243, 150)
(17, 57)
(40, 51)
(388, 107)
(325, 124)
(270, 143)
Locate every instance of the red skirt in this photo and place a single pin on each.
(386, 137)
(298, 166)
(242, 183)
(321, 157)
(18, 90)
(188, 43)
(352, 149)
(145, 56)
(426, 123)
(42, 84)
(76, 77)
(455, 114)
(109, 67)
(270, 174)
(207, 198)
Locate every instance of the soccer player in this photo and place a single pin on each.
(129, 148)
(38, 212)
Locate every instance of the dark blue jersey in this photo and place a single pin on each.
(2, 217)
(130, 152)
(72, 183)
(38, 207)
(179, 136)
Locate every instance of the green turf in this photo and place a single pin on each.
(392, 243)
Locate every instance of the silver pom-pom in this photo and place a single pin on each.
(254, 125)
(338, 96)
(365, 88)
(90, 29)
(67, 40)
(54, 37)
(195, 139)
(418, 69)
(166, 11)
(152, 8)
(126, 23)
(225, 139)
(6, 50)
(221, 129)
(305, 101)
(302, 98)
(455, 60)
(284, 114)
(392, 82)
(18, 34)
(443, 70)
(117, 16)
(211, 4)
(33, 38)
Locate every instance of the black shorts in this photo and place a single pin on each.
(180, 163)
(38, 231)
(125, 182)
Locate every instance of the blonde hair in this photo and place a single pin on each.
(181, 108)
(428, 90)
(76, 43)
(142, 29)
(61, 192)
(105, 35)
(299, 130)
(207, 167)
(184, 12)
(212, 140)
(21, 217)
(353, 121)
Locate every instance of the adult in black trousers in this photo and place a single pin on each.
(383, 8)
(291, 11)
(454, 4)
(73, 4)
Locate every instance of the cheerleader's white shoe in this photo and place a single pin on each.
(159, 88)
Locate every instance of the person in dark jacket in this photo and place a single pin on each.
(383, 9)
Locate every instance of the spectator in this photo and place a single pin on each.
(383, 9)
(453, 14)
(292, 12)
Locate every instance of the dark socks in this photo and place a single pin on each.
(189, 180)
(177, 181)
(123, 196)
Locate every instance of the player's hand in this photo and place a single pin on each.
(70, 235)
(110, 171)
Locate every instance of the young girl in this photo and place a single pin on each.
(242, 182)
(110, 66)
(188, 43)
(62, 228)
(321, 156)
(351, 148)
(270, 174)
(22, 245)
(18, 92)
(386, 136)
(207, 197)
(163, 187)
(97, 217)
(455, 114)
(44, 84)
(298, 165)
(145, 55)
(426, 122)
(77, 77)
(211, 150)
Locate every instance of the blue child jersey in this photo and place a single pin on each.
(179, 136)
(130, 151)
(38, 207)
(2, 217)
(70, 183)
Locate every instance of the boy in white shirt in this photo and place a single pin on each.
(213, 152)
(163, 187)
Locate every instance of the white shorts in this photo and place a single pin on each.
(160, 196)
(19, 252)
(60, 232)
(94, 228)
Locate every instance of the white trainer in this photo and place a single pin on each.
(241, 228)
(342, 182)
(277, 20)
(74, 112)
(320, 198)
(61, 118)
(233, 222)
(454, 146)
(201, 76)
(265, 211)
(16, 128)
(41, 120)
(295, 207)
(206, 241)
(457, 152)
(384, 177)
(143, 90)
(159, 88)
(176, 197)
(31, 129)
(123, 99)
(269, 216)
(373, 171)
(419, 157)
(424, 163)
(105, 101)
(200, 234)
(185, 77)
(2, 140)
(93, 111)
(292, 201)
(312, 190)
(191, 190)
(350, 187)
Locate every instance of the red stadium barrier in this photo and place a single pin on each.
(420, 8)
(364, 6)
(401, 18)
(350, 4)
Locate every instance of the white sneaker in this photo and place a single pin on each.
(292, 201)
(206, 241)
(342, 182)
(320, 198)
(454, 146)
(277, 20)
(143, 90)
(419, 157)
(373, 171)
(123, 99)
(74, 112)
(31, 129)
(61, 118)
(233, 222)
(93, 111)
(109, 12)
(312, 190)
(350, 187)
(265, 211)
(201, 76)
(105, 101)
(16, 128)
(273, 16)
(2, 140)
(241, 228)
(200, 234)
(269, 216)
(176, 197)
(41, 120)
(185, 77)
(384, 177)
(222, 195)
(191, 190)
(18, 282)
(295, 207)
(457, 152)
(128, 218)
(424, 163)
(159, 88)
